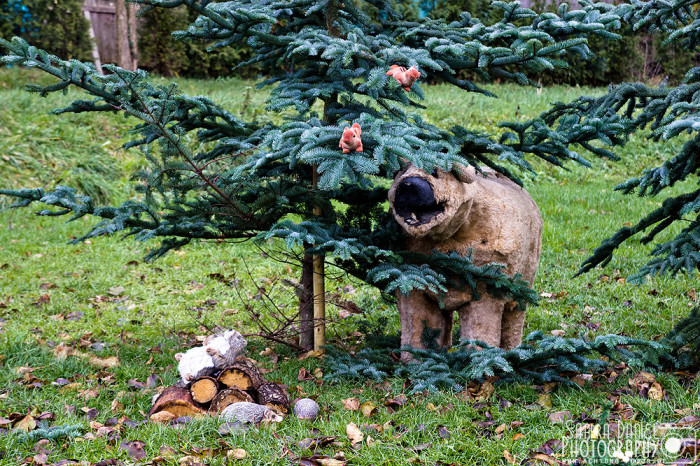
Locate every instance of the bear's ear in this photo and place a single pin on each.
(403, 170)
(465, 174)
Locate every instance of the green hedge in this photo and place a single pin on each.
(161, 53)
(60, 27)
(57, 26)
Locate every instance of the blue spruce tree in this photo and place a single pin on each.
(213, 176)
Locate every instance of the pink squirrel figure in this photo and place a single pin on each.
(351, 139)
(405, 77)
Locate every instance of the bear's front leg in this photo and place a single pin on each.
(512, 326)
(481, 320)
(418, 311)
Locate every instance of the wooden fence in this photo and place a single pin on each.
(113, 32)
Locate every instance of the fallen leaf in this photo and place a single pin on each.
(655, 392)
(508, 457)
(134, 449)
(304, 375)
(352, 404)
(368, 408)
(43, 299)
(26, 424)
(544, 400)
(646, 386)
(326, 461)
(134, 383)
(236, 454)
(393, 404)
(311, 354)
(116, 406)
(540, 458)
(109, 462)
(483, 392)
(104, 363)
(191, 461)
(421, 447)
(62, 351)
(116, 290)
(689, 421)
(560, 416)
(354, 434)
(75, 315)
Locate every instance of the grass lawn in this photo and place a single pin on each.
(99, 299)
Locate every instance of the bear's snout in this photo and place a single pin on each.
(415, 201)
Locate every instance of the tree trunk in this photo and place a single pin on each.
(125, 60)
(306, 303)
(133, 34)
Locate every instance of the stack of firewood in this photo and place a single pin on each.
(241, 381)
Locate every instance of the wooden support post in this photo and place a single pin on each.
(319, 288)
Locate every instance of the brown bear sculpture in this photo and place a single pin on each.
(487, 215)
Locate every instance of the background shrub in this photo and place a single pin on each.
(163, 54)
(57, 26)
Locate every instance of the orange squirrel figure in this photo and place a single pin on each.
(405, 77)
(351, 139)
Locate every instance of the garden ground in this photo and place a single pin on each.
(97, 316)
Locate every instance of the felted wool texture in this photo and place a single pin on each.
(495, 220)
(219, 351)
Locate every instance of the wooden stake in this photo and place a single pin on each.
(319, 288)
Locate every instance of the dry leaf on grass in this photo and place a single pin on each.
(352, 404)
(560, 416)
(354, 434)
(368, 408)
(134, 449)
(545, 401)
(236, 454)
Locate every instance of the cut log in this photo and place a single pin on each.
(178, 401)
(204, 389)
(274, 397)
(228, 396)
(243, 374)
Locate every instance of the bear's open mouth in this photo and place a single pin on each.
(417, 216)
(415, 202)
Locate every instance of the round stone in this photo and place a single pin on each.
(306, 408)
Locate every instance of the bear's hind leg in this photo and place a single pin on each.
(481, 320)
(418, 311)
(512, 326)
